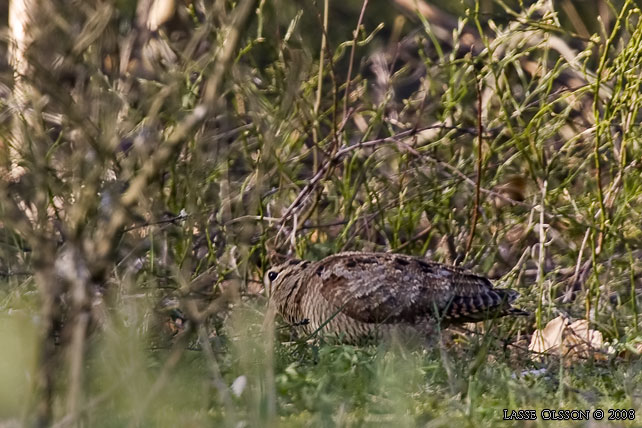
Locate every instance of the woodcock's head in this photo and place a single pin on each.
(278, 277)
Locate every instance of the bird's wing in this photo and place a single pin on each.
(390, 288)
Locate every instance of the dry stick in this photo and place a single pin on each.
(541, 255)
(480, 140)
(335, 86)
(76, 364)
(48, 355)
(317, 101)
(418, 236)
(633, 289)
(335, 99)
(71, 265)
(80, 318)
(323, 172)
(568, 295)
(468, 180)
(174, 219)
(350, 64)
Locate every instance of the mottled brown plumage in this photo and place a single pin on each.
(364, 295)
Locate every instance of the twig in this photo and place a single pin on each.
(323, 225)
(317, 101)
(8, 273)
(414, 238)
(542, 252)
(181, 216)
(351, 63)
(576, 274)
(472, 183)
(77, 352)
(480, 130)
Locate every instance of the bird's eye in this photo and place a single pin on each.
(272, 275)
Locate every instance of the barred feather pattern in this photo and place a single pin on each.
(358, 295)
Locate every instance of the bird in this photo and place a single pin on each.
(361, 296)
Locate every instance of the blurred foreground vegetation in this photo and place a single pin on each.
(157, 156)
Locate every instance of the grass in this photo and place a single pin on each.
(157, 188)
(333, 384)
